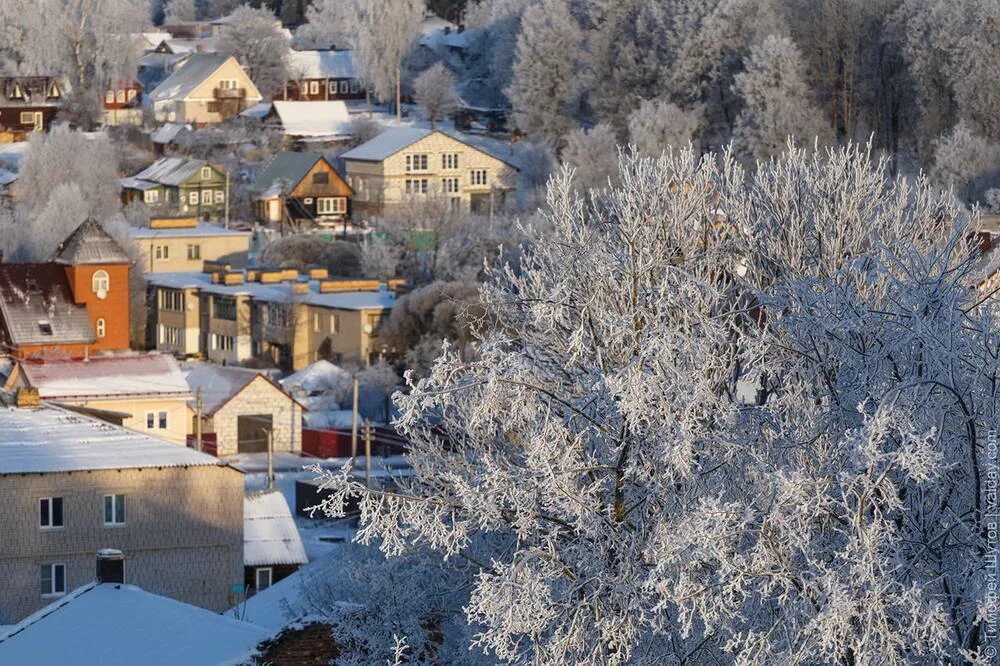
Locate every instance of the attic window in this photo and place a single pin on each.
(44, 327)
(321, 178)
(206, 173)
(54, 90)
(17, 93)
(32, 285)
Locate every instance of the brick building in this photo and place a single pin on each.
(71, 486)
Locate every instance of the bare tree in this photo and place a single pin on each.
(255, 38)
(434, 91)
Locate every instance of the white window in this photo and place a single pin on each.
(101, 328)
(344, 87)
(162, 251)
(194, 251)
(333, 87)
(449, 161)
(478, 176)
(416, 186)
(151, 196)
(109, 97)
(449, 185)
(220, 196)
(330, 205)
(308, 201)
(100, 283)
(223, 342)
(131, 94)
(50, 512)
(161, 420)
(316, 322)
(53, 578)
(120, 96)
(206, 196)
(228, 84)
(416, 163)
(114, 509)
(263, 575)
(334, 324)
(354, 86)
(206, 173)
(17, 94)
(27, 118)
(314, 87)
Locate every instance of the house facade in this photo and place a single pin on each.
(302, 190)
(170, 245)
(321, 75)
(77, 486)
(233, 316)
(207, 89)
(72, 306)
(29, 104)
(123, 103)
(179, 187)
(408, 166)
(272, 547)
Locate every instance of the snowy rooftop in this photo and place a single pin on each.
(218, 383)
(321, 64)
(277, 293)
(112, 376)
(314, 118)
(387, 143)
(202, 229)
(168, 132)
(171, 171)
(269, 532)
(123, 625)
(53, 439)
(319, 376)
(189, 75)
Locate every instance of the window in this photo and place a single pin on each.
(206, 196)
(151, 196)
(120, 96)
(53, 580)
(416, 186)
(333, 87)
(109, 97)
(223, 342)
(354, 86)
(162, 420)
(172, 299)
(206, 173)
(27, 118)
(194, 251)
(114, 509)
(449, 185)
(478, 176)
(131, 94)
(193, 198)
(161, 251)
(102, 328)
(330, 205)
(17, 94)
(228, 84)
(314, 87)
(150, 420)
(321, 178)
(449, 161)
(334, 324)
(316, 322)
(416, 163)
(224, 308)
(308, 201)
(343, 87)
(50, 512)
(54, 90)
(170, 335)
(263, 578)
(100, 283)
(220, 196)
(45, 327)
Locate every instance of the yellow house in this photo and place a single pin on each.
(406, 165)
(147, 391)
(207, 89)
(182, 244)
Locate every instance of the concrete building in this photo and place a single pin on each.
(71, 486)
(408, 166)
(241, 409)
(232, 316)
(173, 245)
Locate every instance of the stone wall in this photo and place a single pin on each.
(259, 397)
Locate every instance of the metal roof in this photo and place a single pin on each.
(170, 171)
(287, 166)
(37, 307)
(112, 376)
(386, 144)
(321, 64)
(269, 532)
(188, 76)
(90, 244)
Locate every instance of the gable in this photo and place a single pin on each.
(229, 70)
(336, 186)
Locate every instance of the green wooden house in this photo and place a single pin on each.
(178, 187)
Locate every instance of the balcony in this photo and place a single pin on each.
(230, 93)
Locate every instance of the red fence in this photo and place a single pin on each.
(208, 444)
(337, 443)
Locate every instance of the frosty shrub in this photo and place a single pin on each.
(719, 418)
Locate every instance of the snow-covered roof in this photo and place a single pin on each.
(170, 171)
(314, 118)
(258, 111)
(269, 532)
(200, 230)
(114, 376)
(219, 384)
(122, 625)
(168, 132)
(331, 418)
(89, 244)
(277, 293)
(7, 177)
(188, 76)
(386, 144)
(53, 439)
(37, 306)
(321, 65)
(319, 376)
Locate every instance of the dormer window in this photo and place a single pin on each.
(54, 90)
(206, 173)
(17, 93)
(101, 283)
(45, 327)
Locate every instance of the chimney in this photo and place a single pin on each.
(27, 397)
(110, 566)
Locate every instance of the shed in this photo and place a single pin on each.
(272, 548)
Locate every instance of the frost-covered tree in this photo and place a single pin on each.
(180, 11)
(758, 439)
(434, 91)
(657, 124)
(961, 157)
(593, 156)
(255, 38)
(546, 89)
(501, 21)
(380, 257)
(777, 101)
(327, 26)
(977, 61)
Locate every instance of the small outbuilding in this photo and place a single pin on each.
(272, 547)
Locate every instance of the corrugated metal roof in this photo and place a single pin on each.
(170, 171)
(116, 376)
(37, 307)
(321, 65)
(188, 76)
(269, 532)
(387, 143)
(90, 244)
(287, 166)
(218, 383)
(53, 439)
(314, 119)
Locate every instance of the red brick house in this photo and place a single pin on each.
(73, 305)
(29, 104)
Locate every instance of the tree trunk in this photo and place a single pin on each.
(399, 101)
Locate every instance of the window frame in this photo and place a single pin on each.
(101, 326)
(50, 513)
(115, 510)
(256, 577)
(100, 281)
(53, 591)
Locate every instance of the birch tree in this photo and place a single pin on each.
(434, 91)
(757, 439)
(657, 125)
(255, 38)
(180, 11)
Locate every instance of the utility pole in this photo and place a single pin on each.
(270, 460)
(354, 424)
(227, 199)
(199, 402)
(368, 454)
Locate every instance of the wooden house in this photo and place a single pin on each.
(321, 76)
(174, 186)
(207, 89)
(29, 104)
(123, 103)
(302, 189)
